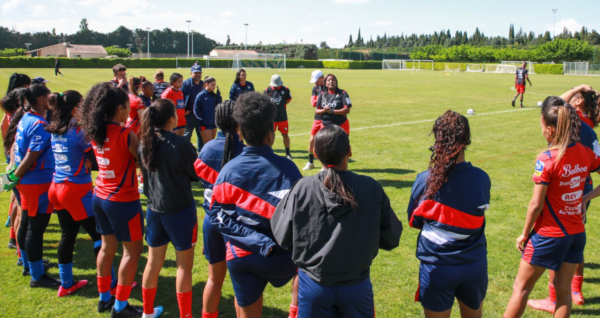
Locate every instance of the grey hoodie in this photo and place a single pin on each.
(331, 243)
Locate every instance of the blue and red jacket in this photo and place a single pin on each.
(452, 223)
(248, 189)
(208, 166)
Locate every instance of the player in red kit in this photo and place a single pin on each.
(522, 75)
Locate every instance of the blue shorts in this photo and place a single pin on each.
(440, 284)
(316, 300)
(551, 252)
(17, 195)
(123, 219)
(214, 244)
(179, 127)
(180, 228)
(250, 275)
(207, 127)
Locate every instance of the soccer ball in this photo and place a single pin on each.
(470, 112)
(539, 104)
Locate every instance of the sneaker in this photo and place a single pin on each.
(113, 291)
(157, 312)
(128, 311)
(542, 304)
(104, 306)
(513, 103)
(45, 281)
(522, 106)
(308, 166)
(289, 157)
(577, 298)
(12, 244)
(7, 224)
(62, 292)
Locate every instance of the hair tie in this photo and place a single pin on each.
(60, 94)
(330, 166)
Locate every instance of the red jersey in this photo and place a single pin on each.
(585, 118)
(178, 99)
(116, 176)
(565, 179)
(133, 122)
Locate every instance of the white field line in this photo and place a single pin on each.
(426, 121)
(512, 88)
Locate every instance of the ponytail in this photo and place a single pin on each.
(154, 117)
(332, 145)
(225, 121)
(62, 118)
(14, 99)
(135, 83)
(557, 113)
(17, 80)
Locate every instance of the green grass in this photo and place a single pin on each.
(505, 142)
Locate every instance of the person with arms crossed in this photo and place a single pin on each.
(522, 75)
(318, 79)
(240, 85)
(281, 96)
(333, 105)
(204, 108)
(191, 88)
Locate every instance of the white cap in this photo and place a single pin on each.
(314, 77)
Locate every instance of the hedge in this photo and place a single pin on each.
(548, 69)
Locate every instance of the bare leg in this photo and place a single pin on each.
(185, 262)
(286, 140)
(466, 312)
(562, 285)
(106, 255)
(214, 284)
(156, 259)
(206, 135)
(526, 278)
(252, 311)
(129, 262)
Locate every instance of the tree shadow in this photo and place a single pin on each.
(398, 184)
(594, 280)
(592, 266)
(386, 170)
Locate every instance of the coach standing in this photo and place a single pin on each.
(191, 88)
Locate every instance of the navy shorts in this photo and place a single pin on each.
(551, 252)
(123, 219)
(250, 275)
(180, 228)
(214, 244)
(440, 284)
(207, 127)
(316, 300)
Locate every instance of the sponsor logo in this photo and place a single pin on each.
(568, 171)
(103, 161)
(65, 168)
(348, 101)
(573, 196)
(596, 148)
(573, 183)
(59, 138)
(276, 99)
(539, 168)
(107, 174)
(61, 158)
(571, 210)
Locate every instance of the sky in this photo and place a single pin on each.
(296, 21)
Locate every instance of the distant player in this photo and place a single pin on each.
(204, 108)
(240, 85)
(175, 94)
(136, 104)
(159, 84)
(191, 88)
(522, 75)
(318, 79)
(57, 68)
(120, 77)
(333, 105)
(147, 93)
(281, 96)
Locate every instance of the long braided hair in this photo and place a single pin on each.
(557, 113)
(452, 135)
(225, 121)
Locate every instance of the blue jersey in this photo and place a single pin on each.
(248, 189)
(237, 90)
(590, 140)
(147, 100)
(31, 136)
(70, 155)
(452, 223)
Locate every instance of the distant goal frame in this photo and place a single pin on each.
(403, 63)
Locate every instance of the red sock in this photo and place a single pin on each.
(12, 233)
(123, 292)
(103, 283)
(551, 293)
(211, 315)
(576, 284)
(148, 295)
(185, 304)
(293, 311)
(18, 250)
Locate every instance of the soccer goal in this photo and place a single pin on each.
(474, 67)
(452, 69)
(500, 68)
(576, 68)
(517, 64)
(408, 65)
(259, 60)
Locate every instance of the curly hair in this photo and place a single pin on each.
(591, 105)
(452, 135)
(225, 121)
(99, 106)
(255, 112)
(62, 118)
(562, 116)
(154, 117)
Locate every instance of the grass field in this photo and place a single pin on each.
(392, 115)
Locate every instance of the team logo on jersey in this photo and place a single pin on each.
(37, 140)
(348, 101)
(573, 183)
(539, 168)
(277, 99)
(573, 196)
(596, 148)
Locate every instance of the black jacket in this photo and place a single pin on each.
(169, 188)
(332, 243)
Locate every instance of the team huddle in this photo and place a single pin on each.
(263, 222)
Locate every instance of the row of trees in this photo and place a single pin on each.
(161, 41)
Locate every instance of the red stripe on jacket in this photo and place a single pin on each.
(205, 172)
(435, 211)
(226, 193)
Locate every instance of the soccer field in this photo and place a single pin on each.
(391, 118)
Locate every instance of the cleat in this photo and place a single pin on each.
(577, 298)
(157, 312)
(104, 306)
(113, 291)
(289, 157)
(308, 166)
(513, 103)
(62, 292)
(542, 304)
(45, 281)
(128, 311)
(7, 224)
(12, 244)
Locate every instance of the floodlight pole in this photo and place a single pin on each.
(193, 43)
(148, 42)
(554, 30)
(188, 51)
(246, 47)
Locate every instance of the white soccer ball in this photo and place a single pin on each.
(540, 104)
(470, 112)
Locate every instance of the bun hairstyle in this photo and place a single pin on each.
(225, 121)
(63, 105)
(154, 117)
(159, 75)
(99, 106)
(332, 145)
(563, 117)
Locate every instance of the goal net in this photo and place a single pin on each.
(408, 65)
(500, 68)
(474, 67)
(576, 68)
(452, 69)
(517, 64)
(258, 60)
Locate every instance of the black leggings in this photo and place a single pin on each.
(31, 234)
(69, 230)
(57, 71)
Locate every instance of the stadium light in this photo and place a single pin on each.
(193, 43)
(554, 30)
(28, 44)
(188, 52)
(148, 42)
(246, 47)
(129, 46)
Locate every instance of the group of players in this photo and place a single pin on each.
(263, 222)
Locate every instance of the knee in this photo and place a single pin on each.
(521, 289)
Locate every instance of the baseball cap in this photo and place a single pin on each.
(41, 80)
(314, 77)
(196, 68)
(276, 81)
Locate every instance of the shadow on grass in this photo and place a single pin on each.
(592, 281)
(387, 170)
(591, 266)
(398, 184)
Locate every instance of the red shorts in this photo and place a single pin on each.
(318, 125)
(73, 197)
(34, 198)
(282, 126)
(180, 118)
(520, 88)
